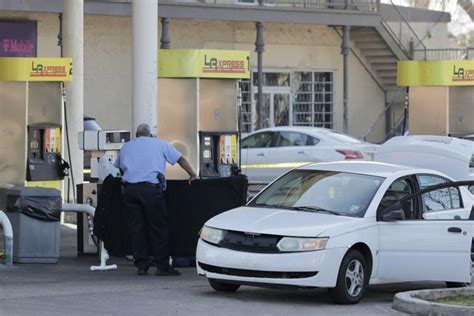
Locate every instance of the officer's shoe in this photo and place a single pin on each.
(168, 271)
(142, 272)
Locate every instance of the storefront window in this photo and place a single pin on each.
(313, 99)
(273, 79)
(246, 110)
(300, 98)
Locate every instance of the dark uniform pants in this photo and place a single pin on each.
(146, 210)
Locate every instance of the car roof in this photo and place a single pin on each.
(439, 145)
(371, 168)
(303, 129)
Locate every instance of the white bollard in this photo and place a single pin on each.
(8, 235)
(104, 256)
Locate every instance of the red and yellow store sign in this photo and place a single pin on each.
(35, 69)
(203, 63)
(436, 73)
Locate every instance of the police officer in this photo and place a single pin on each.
(143, 163)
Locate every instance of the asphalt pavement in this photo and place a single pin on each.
(70, 288)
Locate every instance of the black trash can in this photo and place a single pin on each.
(34, 214)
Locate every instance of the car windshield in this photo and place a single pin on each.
(344, 138)
(337, 193)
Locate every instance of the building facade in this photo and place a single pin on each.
(303, 71)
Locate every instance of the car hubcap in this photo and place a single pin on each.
(354, 278)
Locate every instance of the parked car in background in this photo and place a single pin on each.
(342, 226)
(469, 137)
(268, 153)
(449, 155)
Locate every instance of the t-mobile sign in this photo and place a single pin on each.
(18, 38)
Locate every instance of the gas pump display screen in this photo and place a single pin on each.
(119, 137)
(35, 145)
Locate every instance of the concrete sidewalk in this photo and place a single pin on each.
(70, 288)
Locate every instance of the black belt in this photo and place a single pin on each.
(156, 185)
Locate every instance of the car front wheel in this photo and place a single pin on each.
(352, 279)
(222, 286)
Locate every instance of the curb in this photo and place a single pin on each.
(415, 302)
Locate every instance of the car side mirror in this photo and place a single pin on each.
(393, 213)
(471, 189)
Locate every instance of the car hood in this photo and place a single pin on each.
(277, 221)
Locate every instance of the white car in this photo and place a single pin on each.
(451, 156)
(342, 226)
(270, 152)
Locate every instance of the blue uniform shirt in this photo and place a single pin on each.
(143, 158)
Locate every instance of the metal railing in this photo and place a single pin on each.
(351, 5)
(388, 123)
(355, 5)
(405, 36)
(446, 54)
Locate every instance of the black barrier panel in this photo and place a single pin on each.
(189, 207)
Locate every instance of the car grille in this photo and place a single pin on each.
(258, 243)
(257, 273)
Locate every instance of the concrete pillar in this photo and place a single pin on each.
(346, 49)
(165, 34)
(259, 48)
(73, 42)
(145, 63)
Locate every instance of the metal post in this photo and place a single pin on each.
(73, 40)
(165, 34)
(145, 62)
(412, 48)
(345, 53)
(260, 48)
(405, 112)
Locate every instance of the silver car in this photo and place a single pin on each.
(268, 153)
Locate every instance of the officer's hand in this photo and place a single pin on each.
(191, 179)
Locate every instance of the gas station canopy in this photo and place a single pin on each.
(203, 63)
(436, 73)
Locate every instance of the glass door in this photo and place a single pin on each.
(276, 108)
(281, 109)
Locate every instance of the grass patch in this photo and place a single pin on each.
(463, 300)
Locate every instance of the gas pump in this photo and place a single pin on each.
(31, 167)
(44, 153)
(31, 121)
(197, 108)
(103, 146)
(218, 154)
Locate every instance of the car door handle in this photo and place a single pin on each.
(262, 154)
(302, 152)
(454, 230)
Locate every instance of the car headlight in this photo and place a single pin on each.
(290, 244)
(212, 235)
